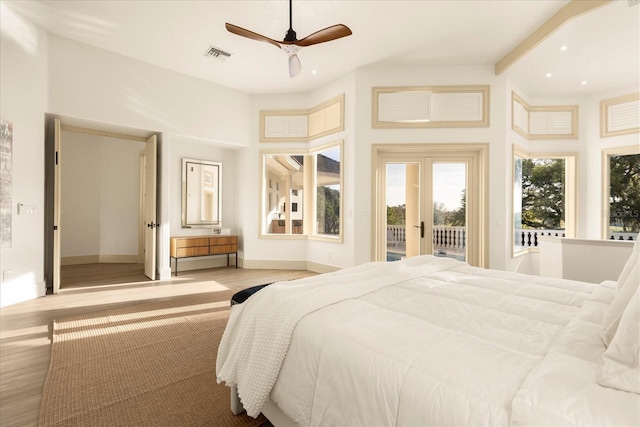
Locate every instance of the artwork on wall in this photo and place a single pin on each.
(6, 148)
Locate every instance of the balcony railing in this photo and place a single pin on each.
(455, 238)
(444, 237)
(528, 238)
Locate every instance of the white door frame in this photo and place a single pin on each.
(57, 201)
(477, 157)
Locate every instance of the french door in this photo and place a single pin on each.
(429, 201)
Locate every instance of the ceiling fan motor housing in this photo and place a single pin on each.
(290, 36)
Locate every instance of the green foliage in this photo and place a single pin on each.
(396, 215)
(459, 216)
(441, 216)
(328, 210)
(624, 196)
(543, 193)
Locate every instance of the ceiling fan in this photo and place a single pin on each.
(291, 45)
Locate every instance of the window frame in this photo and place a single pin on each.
(309, 194)
(607, 153)
(570, 198)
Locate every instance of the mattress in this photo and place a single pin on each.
(425, 341)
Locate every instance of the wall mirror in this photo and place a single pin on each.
(201, 194)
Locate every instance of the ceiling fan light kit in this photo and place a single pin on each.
(291, 45)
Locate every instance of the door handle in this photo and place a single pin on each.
(421, 227)
(152, 225)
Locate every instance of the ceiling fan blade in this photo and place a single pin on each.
(325, 35)
(294, 65)
(250, 34)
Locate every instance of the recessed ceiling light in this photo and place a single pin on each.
(549, 74)
(314, 72)
(563, 47)
(584, 82)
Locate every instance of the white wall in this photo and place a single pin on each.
(99, 86)
(195, 148)
(94, 84)
(298, 253)
(494, 135)
(565, 258)
(44, 73)
(100, 195)
(186, 147)
(23, 101)
(588, 146)
(276, 253)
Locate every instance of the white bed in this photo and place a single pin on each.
(431, 341)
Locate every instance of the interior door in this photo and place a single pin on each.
(57, 205)
(149, 207)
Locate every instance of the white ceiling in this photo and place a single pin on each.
(603, 45)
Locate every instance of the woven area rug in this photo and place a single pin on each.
(147, 365)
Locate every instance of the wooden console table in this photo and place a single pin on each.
(187, 247)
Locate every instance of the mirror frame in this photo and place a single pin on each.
(216, 183)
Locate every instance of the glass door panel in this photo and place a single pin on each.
(402, 194)
(449, 230)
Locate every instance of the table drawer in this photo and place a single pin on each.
(183, 243)
(223, 240)
(223, 249)
(195, 251)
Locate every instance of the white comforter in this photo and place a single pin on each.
(424, 341)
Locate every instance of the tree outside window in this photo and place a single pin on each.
(624, 195)
(543, 197)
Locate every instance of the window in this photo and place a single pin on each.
(621, 167)
(310, 182)
(544, 188)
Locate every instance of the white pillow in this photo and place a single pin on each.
(621, 368)
(627, 285)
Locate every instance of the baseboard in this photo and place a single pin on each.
(165, 273)
(77, 260)
(19, 290)
(120, 259)
(288, 265)
(96, 259)
(261, 264)
(321, 268)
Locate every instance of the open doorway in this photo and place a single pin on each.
(96, 208)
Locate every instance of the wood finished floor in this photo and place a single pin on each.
(25, 328)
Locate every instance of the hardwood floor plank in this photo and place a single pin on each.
(25, 328)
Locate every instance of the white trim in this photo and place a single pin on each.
(14, 291)
(264, 264)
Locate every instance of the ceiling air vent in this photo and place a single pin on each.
(214, 52)
(634, 2)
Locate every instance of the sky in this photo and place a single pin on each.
(448, 182)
